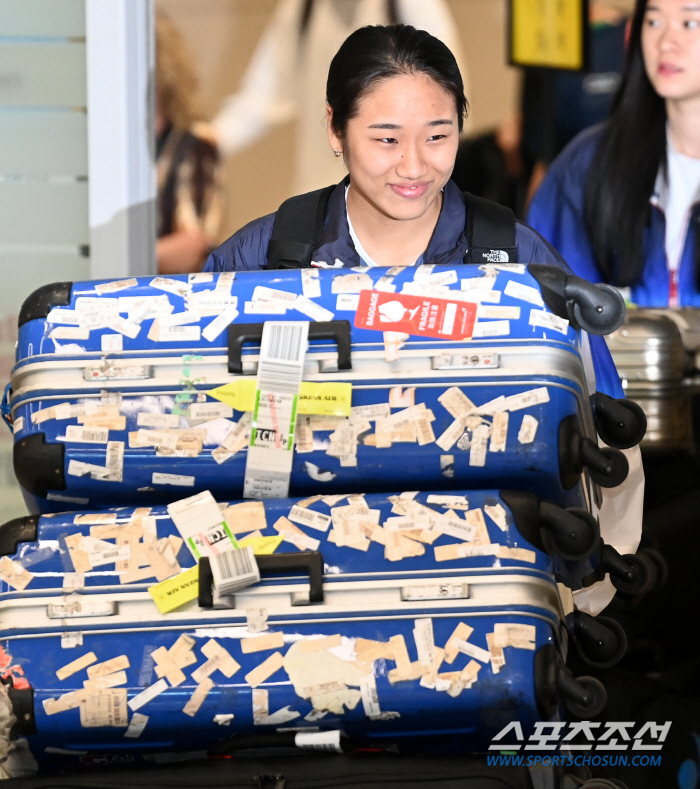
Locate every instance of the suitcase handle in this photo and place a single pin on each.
(310, 562)
(252, 332)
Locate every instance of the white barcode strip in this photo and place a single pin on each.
(278, 377)
(285, 342)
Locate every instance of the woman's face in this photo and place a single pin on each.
(671, 47)
(401, 146)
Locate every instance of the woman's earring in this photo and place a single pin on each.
(336, 152)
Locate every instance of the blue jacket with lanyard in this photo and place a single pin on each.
(246, 250)
(557, 213)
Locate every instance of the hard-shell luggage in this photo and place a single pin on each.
(446, 618)
(117, 390)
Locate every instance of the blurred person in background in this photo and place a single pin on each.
(189, 196)
(286, 78)
(508, 163)
(622, 201)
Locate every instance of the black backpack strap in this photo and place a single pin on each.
(297, 229)
(490, 232)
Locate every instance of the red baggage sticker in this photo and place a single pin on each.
(424, 316)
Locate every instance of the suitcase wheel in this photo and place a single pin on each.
(572, 534)
(584, 697)
(607, 467)
(600, 641)
(620, 423)
(630, 574)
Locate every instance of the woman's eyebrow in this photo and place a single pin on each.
(440, 122)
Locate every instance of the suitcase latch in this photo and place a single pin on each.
(108, 371)
(465, 361)
(435, 592)
(78, 606)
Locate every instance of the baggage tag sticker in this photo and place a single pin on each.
(201, 525)
(416, 315)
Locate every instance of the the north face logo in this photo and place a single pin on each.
(496, 256)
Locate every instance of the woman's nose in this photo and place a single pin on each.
(411, 163)
(668, 40)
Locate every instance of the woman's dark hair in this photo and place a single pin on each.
(624, 169)
(376, 53)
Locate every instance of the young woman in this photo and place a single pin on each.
(622, 202)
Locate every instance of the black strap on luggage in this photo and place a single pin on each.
(297, 229)
(298, 226)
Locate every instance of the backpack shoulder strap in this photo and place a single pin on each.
(297, 229)
(490, 232)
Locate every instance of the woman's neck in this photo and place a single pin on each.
(388, 241)
(684, 126)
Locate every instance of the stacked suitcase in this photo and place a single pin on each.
(377, 536)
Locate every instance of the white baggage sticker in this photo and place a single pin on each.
(472, 651)
(328, 741)
(113, 287)
(68, 317)
(527, 399)
(165, 421)
(112, 342)
(528, 429)
(18, 425)
(270, 453)
(183, 480)
(219, 324)
(125, 327)
(106, 709)
(448, 439)
(312, 310)
(76, 665)
(347, 302)
(178, 334)
(87, 435)
(518, 636)
(310, 518)
(225, 280)
(14, 574)
(69, 333)
(451, 502)
(282, 297)
(148, 695)
(71, 640)
(136, 725)
(211, 410)
(175, 286)
(200, 278)
(263, 308)
(310, 283)
(179, 319)
(456, 402)
(498, 515)
(491, 329)
(547, 320)
(425, 641)
(487, 311)
(234, 569)
(351, 283)
(197, 698)
(477, 453)
(499, 432)
(517, 290)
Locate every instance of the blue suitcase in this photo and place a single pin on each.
(343, 632)
(112, 400)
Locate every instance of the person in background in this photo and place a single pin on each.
(622, 201)
(286, 76)
(508, 163)
(189, 197)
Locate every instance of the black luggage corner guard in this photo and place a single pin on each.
(598, 309)
(340, 331)
(12, 533)
(42, 301)
(23, 707)
(38, 465)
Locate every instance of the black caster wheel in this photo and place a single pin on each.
(600, 641)
(620, 423)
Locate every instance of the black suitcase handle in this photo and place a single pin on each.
(310, 562)
(252, 332)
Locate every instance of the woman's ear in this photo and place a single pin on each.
(335, 142)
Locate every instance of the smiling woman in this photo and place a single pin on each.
(396, 107)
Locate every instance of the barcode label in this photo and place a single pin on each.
(284, 342)
(261, 293)
(306, 517)
(278, 378)
(233, 570)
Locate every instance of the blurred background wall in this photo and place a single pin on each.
(223, 34)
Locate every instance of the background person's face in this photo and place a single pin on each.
(401, 146)
(671, 47)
